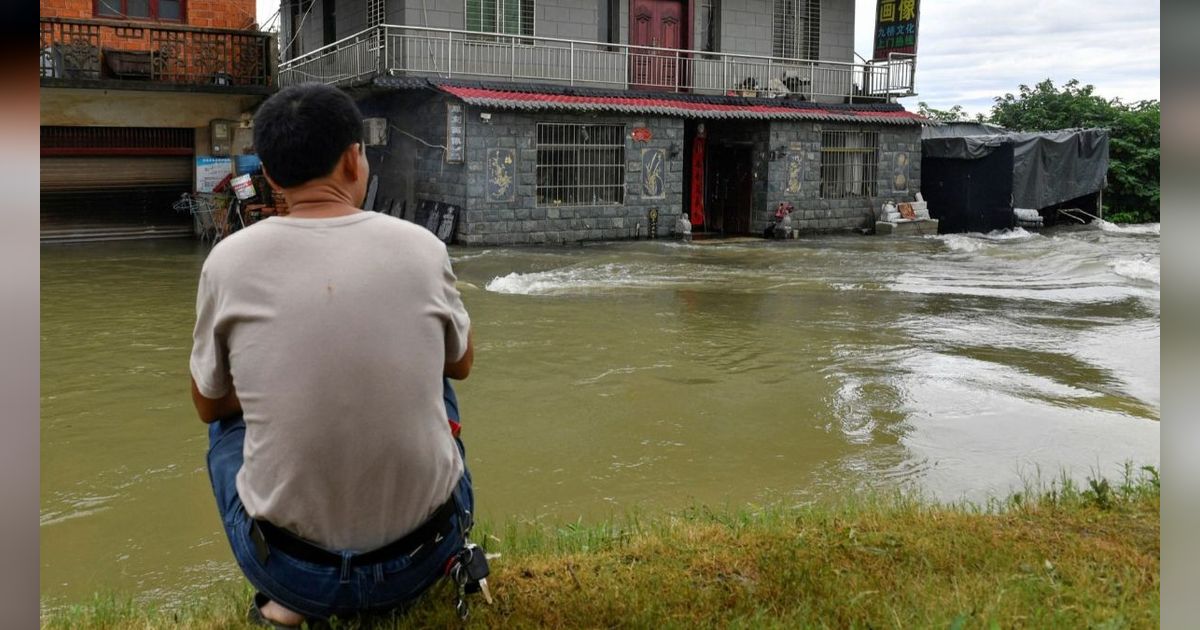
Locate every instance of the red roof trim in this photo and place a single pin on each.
(470, 94)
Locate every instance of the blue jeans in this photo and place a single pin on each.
(320, 591)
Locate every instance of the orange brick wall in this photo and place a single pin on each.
(237, 14)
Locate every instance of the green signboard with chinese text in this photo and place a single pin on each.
(896, 27)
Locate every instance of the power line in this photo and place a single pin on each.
(297, 27)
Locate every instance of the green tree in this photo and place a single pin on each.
(1133, 168)
(954, 114)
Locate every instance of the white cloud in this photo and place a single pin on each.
(970, 51)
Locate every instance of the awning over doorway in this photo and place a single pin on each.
(685, 105)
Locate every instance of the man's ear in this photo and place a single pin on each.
(351, 167)
(269, 180)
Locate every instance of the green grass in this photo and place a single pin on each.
(1056, 555)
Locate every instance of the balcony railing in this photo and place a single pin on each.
(88, 51)
(420, 51)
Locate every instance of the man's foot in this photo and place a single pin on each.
(265, 612)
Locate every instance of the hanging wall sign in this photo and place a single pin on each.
(895, 27)
(641, 134)
(455, 133)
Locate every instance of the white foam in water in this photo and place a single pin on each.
(471, 256)
(1008, 235)
(960, 242)
(1136, 269)
(975, 241)
(572, 280)
(1113, 228)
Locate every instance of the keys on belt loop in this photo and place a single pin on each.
(469, 570)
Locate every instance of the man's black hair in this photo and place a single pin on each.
(301, 131)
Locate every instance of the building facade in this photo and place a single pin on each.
(131, 92)
(557, 121)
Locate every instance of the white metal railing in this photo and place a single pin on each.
(447, 53)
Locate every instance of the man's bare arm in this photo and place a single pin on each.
(213, 409)
(460, 369)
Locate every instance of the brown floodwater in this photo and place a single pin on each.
(645, 376)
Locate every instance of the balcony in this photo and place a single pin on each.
(124, 55)
(417, 51)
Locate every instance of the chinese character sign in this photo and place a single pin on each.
(896, 27)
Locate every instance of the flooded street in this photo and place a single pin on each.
(640, 375)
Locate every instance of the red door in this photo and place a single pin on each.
(657, 24)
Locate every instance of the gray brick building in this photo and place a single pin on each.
(559, 121)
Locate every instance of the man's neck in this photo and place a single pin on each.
(319, 200)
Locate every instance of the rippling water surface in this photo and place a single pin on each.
(645, 375)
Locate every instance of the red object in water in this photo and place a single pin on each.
(697, 188)
(641, 134)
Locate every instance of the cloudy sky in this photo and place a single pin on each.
(970, 51)
(973, 50)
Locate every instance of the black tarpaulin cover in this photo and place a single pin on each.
(1049, 167)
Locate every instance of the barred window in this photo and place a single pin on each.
(506, 17)
(849, 164)
(797, 31)
(376, 12)
(580, 165)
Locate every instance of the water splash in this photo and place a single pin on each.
(976, 241)
(1113, 228)
(588, 279)
(1137, 269)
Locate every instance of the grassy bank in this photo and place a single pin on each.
(1065, 556)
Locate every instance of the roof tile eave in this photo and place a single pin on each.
(533, 100)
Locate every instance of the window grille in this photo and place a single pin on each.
(376, 12)
(580, 165)
(503, 17)
(797, 32)
(849, 164)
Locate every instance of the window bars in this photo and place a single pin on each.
(797, 29)
(849, 164)
(376, 12)
(580, 164)
(504, 17)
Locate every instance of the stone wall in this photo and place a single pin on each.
(816, 214)
(411, 171)
(523, 220)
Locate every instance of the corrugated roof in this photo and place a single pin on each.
(670, 104)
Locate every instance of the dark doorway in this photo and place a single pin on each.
(729, 187)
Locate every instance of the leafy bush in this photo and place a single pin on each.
(1133, 168)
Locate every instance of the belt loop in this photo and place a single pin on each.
(378, 566)
(346, 555)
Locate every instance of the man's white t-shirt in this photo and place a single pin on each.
(335, 333)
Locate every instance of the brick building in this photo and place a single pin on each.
(546, 121)
(130, 93)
